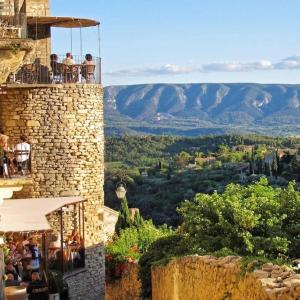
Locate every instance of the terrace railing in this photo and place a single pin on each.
(58, 71)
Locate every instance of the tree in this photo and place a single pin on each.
(182, 159)
(124, 220)
(223, 150)
(256, 219)
(275, 165)
(138, 220)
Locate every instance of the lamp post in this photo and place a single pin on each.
(121, 190)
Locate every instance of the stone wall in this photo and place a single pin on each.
(38, 7)
(209, 278)
(11, 60)
(93, 275)
(40, 34)
(126, 288)
(64, 124)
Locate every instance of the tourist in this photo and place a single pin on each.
(74, 238)
(10, 269)
(26, 270)
(5, 162)
(35, 254)
(22, 154)
(25, 240)
(54, 247)
(3, 139)
(10, 280)
(53, 58)
(88, 60)
(88, 67)
(68, 60)
(37, 289)
(56, 68)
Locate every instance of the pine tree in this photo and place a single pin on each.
(124, 220)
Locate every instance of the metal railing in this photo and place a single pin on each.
(59, 70)
(14, 27)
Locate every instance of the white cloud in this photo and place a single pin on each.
(289, 63)
(168, 69)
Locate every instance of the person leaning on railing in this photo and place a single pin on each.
(22, 153)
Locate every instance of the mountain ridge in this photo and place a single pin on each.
(200, 108)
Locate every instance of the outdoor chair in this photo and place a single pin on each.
(70, 73)
(57, 72)
(28, 73)
(88, 72)
(23, 167)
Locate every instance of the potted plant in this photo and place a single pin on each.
(55, 284)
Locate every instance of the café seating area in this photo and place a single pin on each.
(57, 69)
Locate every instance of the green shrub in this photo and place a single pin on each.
(133, 242)
(130, 245)
(253, 220)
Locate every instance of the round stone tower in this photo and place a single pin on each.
(64, 124)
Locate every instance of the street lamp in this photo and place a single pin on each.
(121, 190)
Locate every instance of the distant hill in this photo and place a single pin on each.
(204, 108)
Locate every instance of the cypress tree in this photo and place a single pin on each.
(124, 220)
(137, 220)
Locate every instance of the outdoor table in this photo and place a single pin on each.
(16, 293)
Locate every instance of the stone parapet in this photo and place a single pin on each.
(209, 278)
(128, 287)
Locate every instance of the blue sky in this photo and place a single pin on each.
(148, 41)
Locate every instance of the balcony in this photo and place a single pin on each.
(56, 69)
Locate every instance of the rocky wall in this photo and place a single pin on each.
(93, 275)
(12, 54)
(126, 288)
(209, 278)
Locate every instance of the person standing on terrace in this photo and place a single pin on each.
(68, 60)
(22, 153)
(3, 139)
(37, 288)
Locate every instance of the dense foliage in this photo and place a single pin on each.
(133, 242)
(256, 219)
(142, 151)
(130, 245)
(162, 171)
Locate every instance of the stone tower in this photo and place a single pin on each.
(64, 124)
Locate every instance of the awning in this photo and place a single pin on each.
(24, 215)
(64, 22)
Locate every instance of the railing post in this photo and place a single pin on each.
(62, 240)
